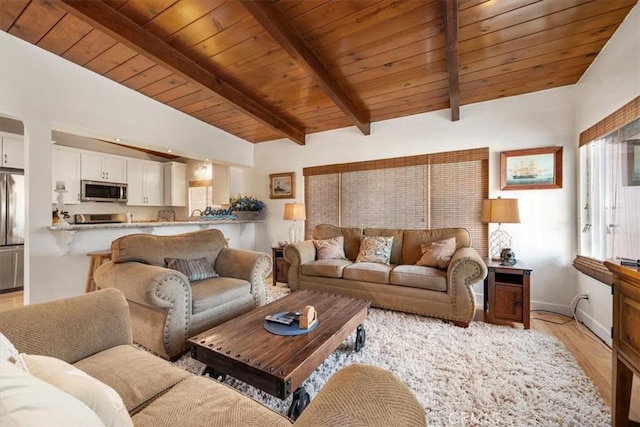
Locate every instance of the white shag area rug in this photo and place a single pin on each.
(484, 375)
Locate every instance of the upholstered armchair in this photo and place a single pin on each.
(178, 286)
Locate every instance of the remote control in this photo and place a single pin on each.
(284, 319)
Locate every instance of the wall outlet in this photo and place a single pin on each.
(588, 294)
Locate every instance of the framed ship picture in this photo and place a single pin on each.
(536, 168)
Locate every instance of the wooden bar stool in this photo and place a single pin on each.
(97, 259)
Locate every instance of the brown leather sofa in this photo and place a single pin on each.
(402, 285)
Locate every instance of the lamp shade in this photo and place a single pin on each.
(294, 211)
(500, 211)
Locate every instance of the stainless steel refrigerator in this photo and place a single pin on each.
(12, 221)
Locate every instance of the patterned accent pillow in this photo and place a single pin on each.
(375, 249)
(332, 248)
(194, 269)
(437, 254)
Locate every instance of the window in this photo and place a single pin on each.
(610, 195)
(200, 195)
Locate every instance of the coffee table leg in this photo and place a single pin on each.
(361, 337)
(300, 401)
(214, 374)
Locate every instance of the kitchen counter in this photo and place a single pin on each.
(107, 232)
(143, 224)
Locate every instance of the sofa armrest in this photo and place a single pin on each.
(251, 266)
(148, 285)
(297, 254)
(70, 329)
(363, 395)
(465, 270)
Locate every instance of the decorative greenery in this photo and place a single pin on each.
(246, 203)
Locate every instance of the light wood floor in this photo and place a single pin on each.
(592, 354)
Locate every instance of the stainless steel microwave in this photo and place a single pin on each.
(98, 191)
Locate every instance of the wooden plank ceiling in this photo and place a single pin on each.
(272, 69)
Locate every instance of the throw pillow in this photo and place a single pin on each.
(332, 248)
(437, 254)
(375, 249)
(28, 401)
(9, 353)
(194, 269)
(99, 397)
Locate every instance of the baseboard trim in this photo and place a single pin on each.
(589, 322)
(600, 331)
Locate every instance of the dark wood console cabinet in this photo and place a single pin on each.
(506, 294)
(626, 339)
(280, 265)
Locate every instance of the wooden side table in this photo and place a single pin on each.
(507, 294)
(280, 265)
(626, 339)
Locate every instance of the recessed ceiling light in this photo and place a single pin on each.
(116, 139)
(168, 151)
(206, 160)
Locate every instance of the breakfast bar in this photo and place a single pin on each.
(105, 233)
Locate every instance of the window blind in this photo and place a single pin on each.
(416, 192)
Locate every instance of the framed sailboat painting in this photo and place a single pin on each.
(536, 168)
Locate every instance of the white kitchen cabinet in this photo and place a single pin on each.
(175, 184)
(66, 168)
(12, 151)
(103, 167)
(145, 183)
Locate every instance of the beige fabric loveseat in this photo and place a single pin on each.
(92, 333)
(166, 307)
(446, 293)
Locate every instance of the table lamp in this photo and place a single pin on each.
(501, 211)
(294, 211)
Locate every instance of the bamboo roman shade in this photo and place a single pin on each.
(426, 191)
(616, 120)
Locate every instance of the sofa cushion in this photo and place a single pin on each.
(9, 353)
(134, 374)
(396, 247)
(325, 268)
(215, 292)
(99, 397)
(437, 254)
(151, 249)
(352, 237)
(368, 272)
(194, 269)
(332, 248)
(375, 249)
(416, 276)
(28, 401)
(201, 401)
(413, 240)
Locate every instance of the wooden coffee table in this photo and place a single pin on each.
(279, 364)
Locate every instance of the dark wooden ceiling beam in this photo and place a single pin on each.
(277, 26)
(450, 18)
(122, 29)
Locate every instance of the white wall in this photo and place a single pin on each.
(611, 81)
(36, 84)
(545, 240)
(49, 93)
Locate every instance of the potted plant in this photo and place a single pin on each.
(247, 207)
